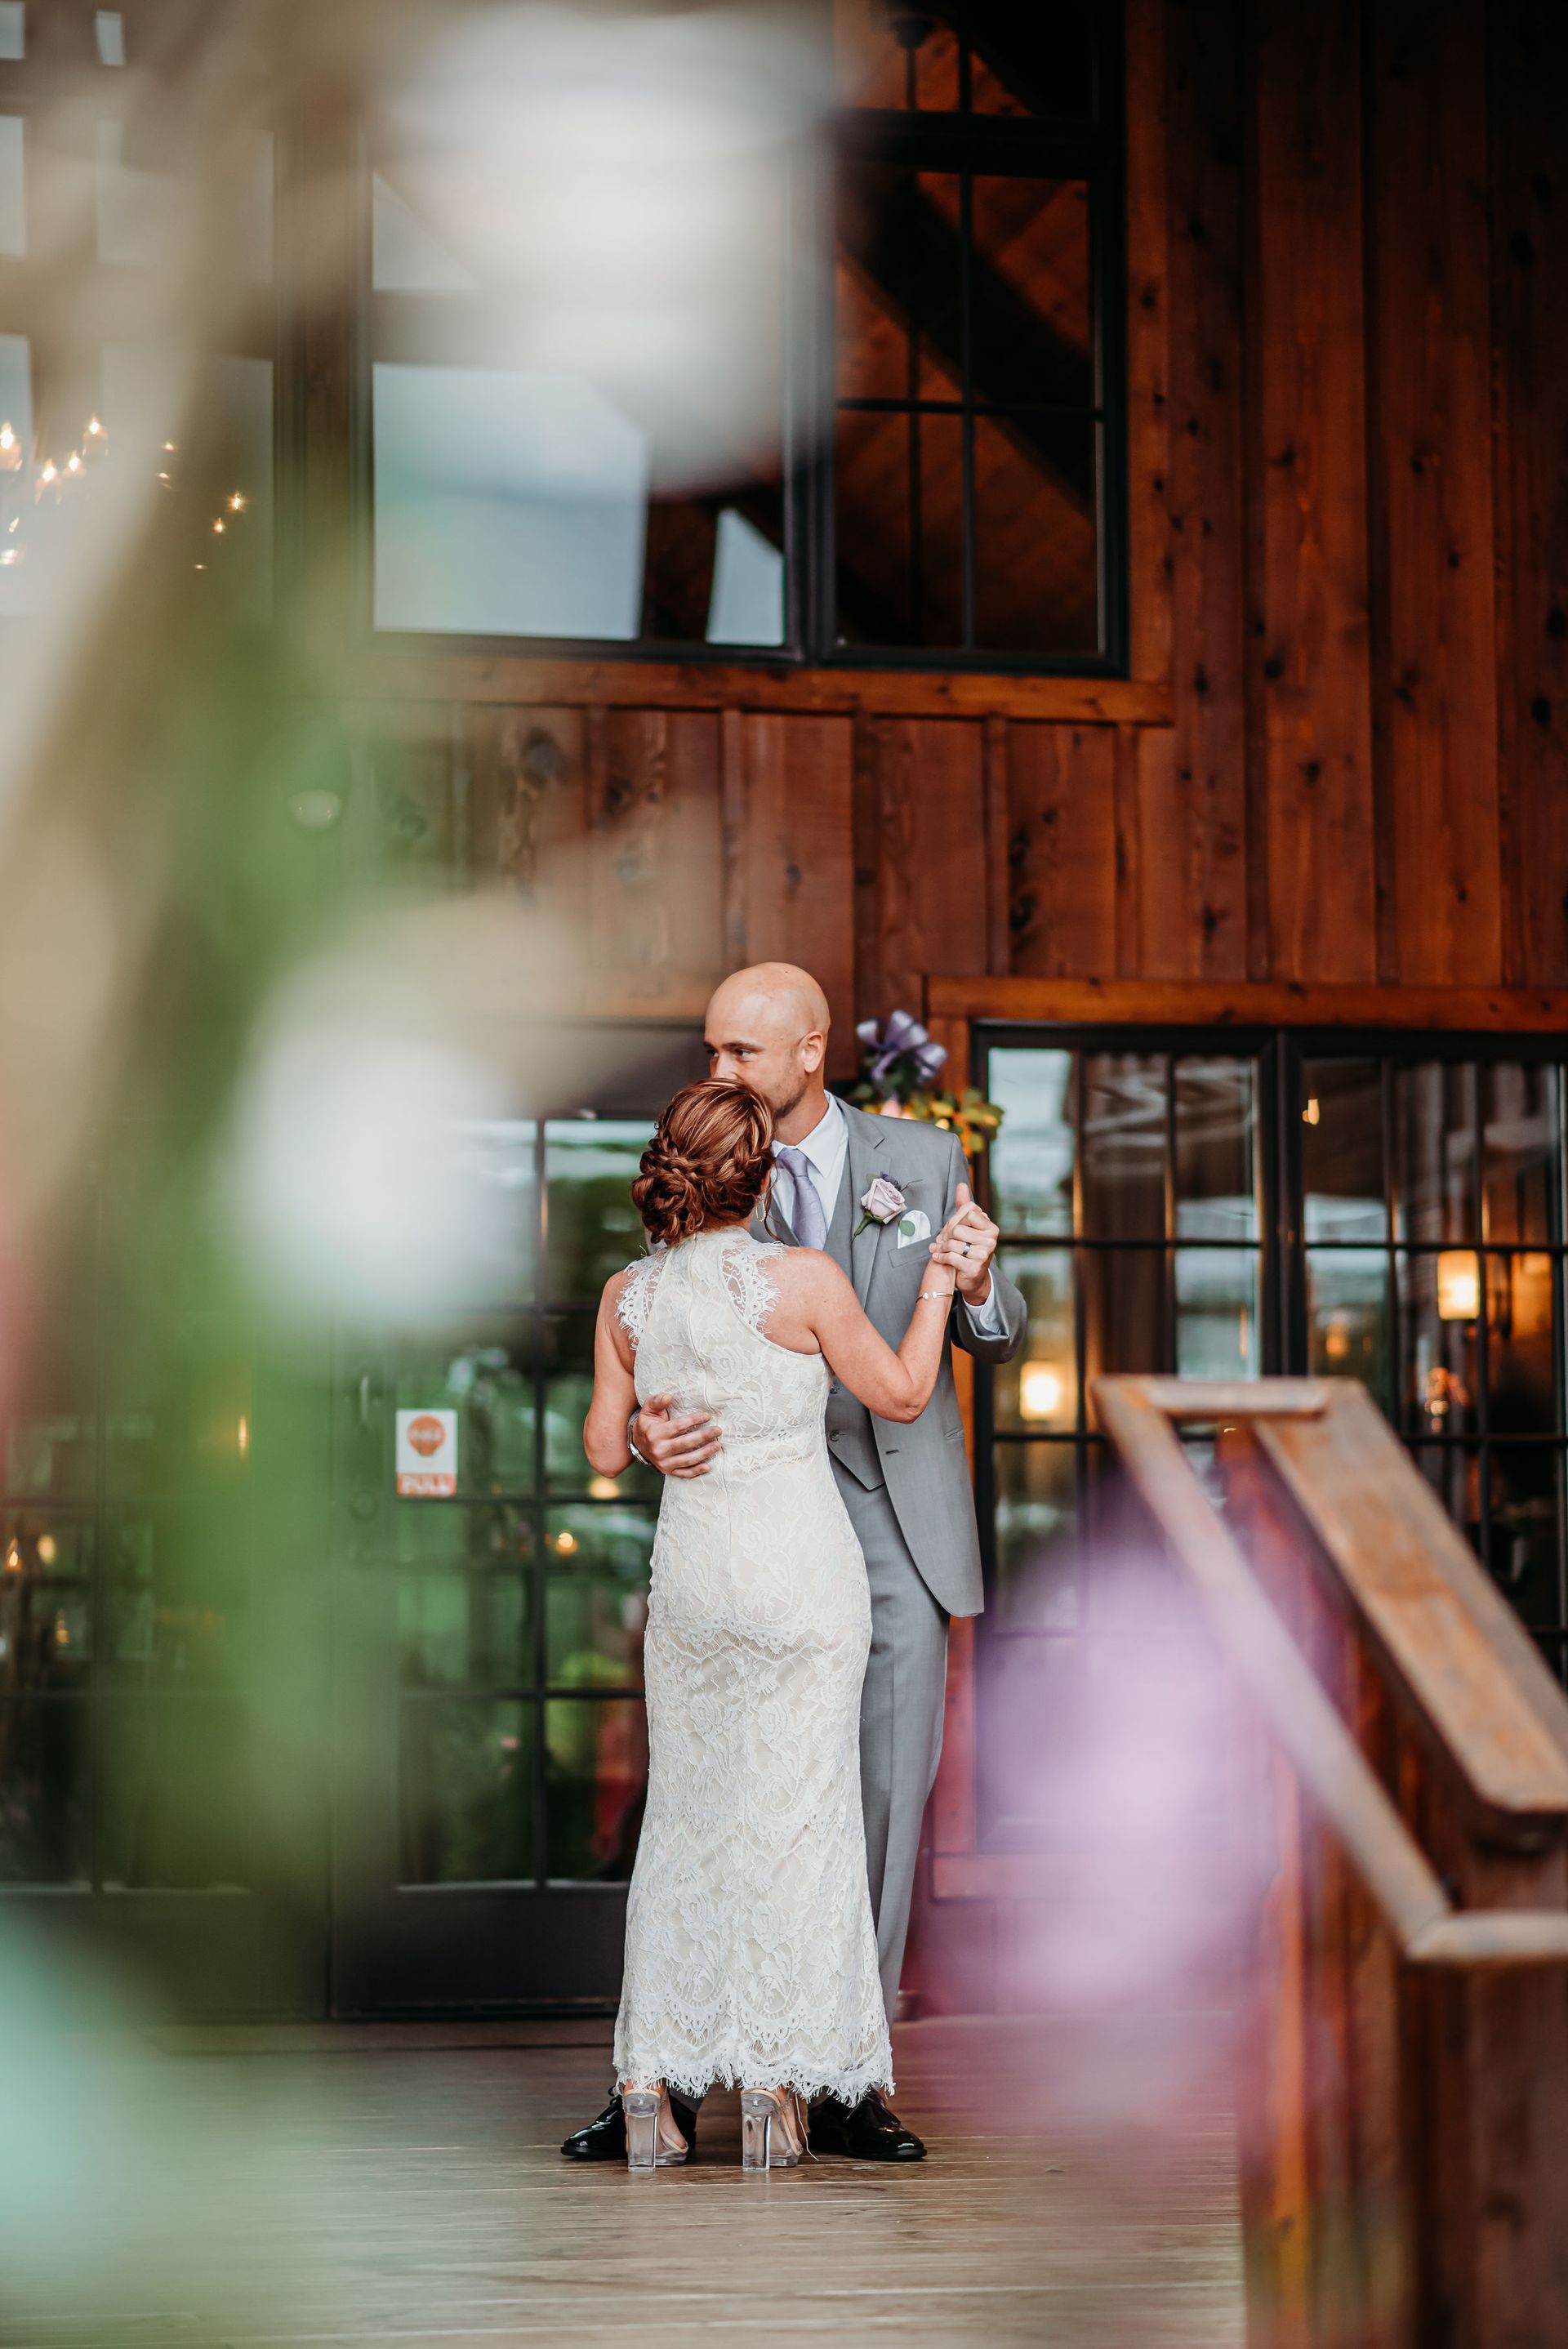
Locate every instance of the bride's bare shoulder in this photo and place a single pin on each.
(807, 1272)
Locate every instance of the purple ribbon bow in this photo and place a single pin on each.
(902, 1038)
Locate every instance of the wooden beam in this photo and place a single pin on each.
(1147, 343)
(390, 671)
(1061, 796)
(1434, 624)
(1307, 644)
(788, 796)
(1148, 1003)
(1189, 875)
(1528, 63)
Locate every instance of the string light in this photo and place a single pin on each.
(51, 474)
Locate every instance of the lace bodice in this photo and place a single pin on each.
(750, 1952)
(696, 1315)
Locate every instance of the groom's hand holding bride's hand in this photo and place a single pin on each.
(675, 1443)
(968, 1241)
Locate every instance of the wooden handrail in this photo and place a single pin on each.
(1402, 2096)
(1139, 1415)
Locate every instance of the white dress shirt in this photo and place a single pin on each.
(825, 1150)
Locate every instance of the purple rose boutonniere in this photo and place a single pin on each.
(880, 1205)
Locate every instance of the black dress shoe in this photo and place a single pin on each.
(868, 2131)
(605, 2139)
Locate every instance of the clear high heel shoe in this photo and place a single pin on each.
(772, 2128)
(653, 2140)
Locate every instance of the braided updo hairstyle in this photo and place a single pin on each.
(708, 1162)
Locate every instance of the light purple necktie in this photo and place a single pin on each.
(807, 1221)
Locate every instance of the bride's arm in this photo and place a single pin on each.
(615, 1389)
(816, 1298)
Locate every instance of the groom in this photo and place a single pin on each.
(907, 1488)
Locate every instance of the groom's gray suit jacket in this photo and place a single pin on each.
(922, 1465)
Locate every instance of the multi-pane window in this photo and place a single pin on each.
(1433, 1221)
(973, 460)
(127, 1569)
(1127, 1184)
(75, 407)
(1224, 1210)
(522, 1602)
(928, 465)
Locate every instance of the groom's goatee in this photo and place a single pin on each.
(781, 1107)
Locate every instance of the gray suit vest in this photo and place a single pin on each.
(850, 1437)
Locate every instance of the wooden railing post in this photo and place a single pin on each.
(1320, 2090)
(1402, 2103)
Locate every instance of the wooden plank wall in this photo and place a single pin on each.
(1341, 758)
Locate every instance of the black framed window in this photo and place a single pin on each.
(73, 404)
(126, 1568)
(522, 1744)
(975, 471)
(1430, 1195)
(1389, 1209)
(931, 470)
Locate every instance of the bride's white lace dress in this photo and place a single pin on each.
(750, 1953)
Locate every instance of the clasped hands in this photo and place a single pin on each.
(686, 1442)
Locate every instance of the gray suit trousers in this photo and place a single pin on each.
(902, 1707)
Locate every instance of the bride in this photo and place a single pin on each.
(750, 1954)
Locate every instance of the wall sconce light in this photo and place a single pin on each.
(1041, 1390)
(1458, 1284)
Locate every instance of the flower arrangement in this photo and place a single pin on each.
(900, 1062)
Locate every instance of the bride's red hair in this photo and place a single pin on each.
(708, 1162)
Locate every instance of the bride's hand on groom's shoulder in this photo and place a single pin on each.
(675, 1443)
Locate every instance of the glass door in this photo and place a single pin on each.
(1130, 1181)
(491, 1593)
(162, 1647)
(1388, 1208)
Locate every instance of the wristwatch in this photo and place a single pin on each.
(631, 1445)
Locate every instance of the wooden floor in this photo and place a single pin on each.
(372, 2184)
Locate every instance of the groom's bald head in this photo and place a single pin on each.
(767, 1027)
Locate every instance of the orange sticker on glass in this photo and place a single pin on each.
(427, 1455)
